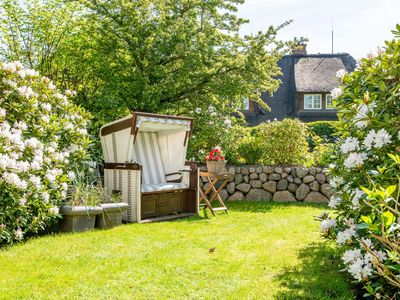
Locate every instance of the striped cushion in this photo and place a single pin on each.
(147, 153)
(163, 187)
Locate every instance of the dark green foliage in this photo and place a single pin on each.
(324, 129)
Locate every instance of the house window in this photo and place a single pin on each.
(246, 104)
(312, 101)
(329, 103)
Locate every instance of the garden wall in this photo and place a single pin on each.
(281, 184)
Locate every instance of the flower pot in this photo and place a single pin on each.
(111, 215)
(215, 166)
(78, 218)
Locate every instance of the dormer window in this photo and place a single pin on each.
(312, 101)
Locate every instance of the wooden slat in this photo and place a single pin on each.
(219, 208)
(167, 218)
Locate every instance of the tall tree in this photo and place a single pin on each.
(149, 55)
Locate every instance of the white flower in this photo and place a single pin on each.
(35, 180)
(10, 82)
(33, 143)
(13, 179)
(359, 270)
(64, 186)
(345, 235)
(22, 201)
(356, 198)
(71, 175)
(327, 224)
(213, 114)
(21, 125)
(73, 148)
(3, 112)
(369, 139)
(377, 139)
(12, 67)
(31, 73)
(340, 74)
(350, 144)
(228, 122)
(198, 110)
(45, 197)
(334, 202)
(82, 131)
(36, 165)
(45, 119)
(26, 91)
(46, 106)
(380, 255)
(351, 256)
(336, 181)
(52, 86)
(50, 177)
(19, 235)
(382, 138)
(336, 93)
(54, 210)
(367, 242)
(211, 108)
(355, 160)
(361, 118)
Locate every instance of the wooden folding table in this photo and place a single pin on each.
(211, 193)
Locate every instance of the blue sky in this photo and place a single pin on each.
(360, 26)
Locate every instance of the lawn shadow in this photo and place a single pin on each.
(318, 276)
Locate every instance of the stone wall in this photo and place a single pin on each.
(282, 184)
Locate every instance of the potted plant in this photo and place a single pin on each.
(112, 212)
(215, 161)
(79, 212)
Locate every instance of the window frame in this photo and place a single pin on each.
(246, 104)
(326, 102)
(312, 108)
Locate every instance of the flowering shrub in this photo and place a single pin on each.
(215, 154)
(42, 141)
(366, 177)
(211, 128)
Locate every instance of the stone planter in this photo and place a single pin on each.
(78, 218)
(111, 215)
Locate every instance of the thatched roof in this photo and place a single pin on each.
(317, 74)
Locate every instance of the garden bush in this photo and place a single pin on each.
(43, 141)
(283, 142)
(324, 129)
(366, 177)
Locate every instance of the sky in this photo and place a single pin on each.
(360, 26)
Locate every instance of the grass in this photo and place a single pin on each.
(263, 250)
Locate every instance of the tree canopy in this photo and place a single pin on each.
(143, 55)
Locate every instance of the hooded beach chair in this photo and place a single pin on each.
(145, 160)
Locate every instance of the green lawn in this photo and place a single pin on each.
(262, 251)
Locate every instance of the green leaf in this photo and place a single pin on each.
(390, 190)
(388, 218)
(367, 219)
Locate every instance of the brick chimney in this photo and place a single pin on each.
(300, 48)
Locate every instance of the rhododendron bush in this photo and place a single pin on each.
(366, 174)
(42, 142)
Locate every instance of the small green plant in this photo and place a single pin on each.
(84, 194)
